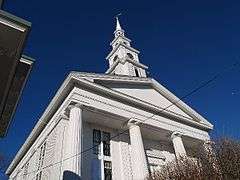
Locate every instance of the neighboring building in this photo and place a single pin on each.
(14, 67)
(110, 126)
(1, 3)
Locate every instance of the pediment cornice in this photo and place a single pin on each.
(198, 119)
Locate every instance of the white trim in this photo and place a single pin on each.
(125, 38)
(187, 109)
(26, 61)
(162, 90)
(138, 64)
(121, 44)
(15, 26)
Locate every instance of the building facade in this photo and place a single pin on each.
(119, 125)
(14, 66)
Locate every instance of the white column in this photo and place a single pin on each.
(72, 157)
(178, 144)
(139, 162)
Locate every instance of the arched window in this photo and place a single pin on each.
(130, 55)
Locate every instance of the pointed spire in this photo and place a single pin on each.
(119, 31)
(118, 26)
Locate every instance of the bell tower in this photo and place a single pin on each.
(123, 59)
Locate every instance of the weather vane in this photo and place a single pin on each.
(118, 15)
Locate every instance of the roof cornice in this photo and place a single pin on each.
(200, 123)
(115, 39)
(18, 22)
(121, 44)
(138, 64)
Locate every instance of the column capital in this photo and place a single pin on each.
(75, 104)
(71, 106)
(178, 144)
(176, 134)
(132, 122)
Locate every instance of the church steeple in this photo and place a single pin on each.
(123, 59)
(119, 31)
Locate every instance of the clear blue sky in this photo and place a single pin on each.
(183, 43)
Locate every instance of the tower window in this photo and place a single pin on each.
(136, 72)
(115, 58)
(130, 55)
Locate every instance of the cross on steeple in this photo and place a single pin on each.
(123, 59)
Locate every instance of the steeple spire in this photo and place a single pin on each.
(123, 59)
(118, 26)
(119, 31)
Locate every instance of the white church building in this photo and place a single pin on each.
(119, 125)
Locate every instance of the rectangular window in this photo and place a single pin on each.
(101, 147)
(107, 170)
(106, 144)
(96, 141)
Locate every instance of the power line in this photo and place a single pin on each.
(202, 85)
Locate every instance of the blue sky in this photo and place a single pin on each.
(183, 43)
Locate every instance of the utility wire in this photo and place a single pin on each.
(202, 85)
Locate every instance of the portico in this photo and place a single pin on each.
(138, 132)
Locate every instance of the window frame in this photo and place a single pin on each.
(107, 169)
(102, 156)
(96, 142)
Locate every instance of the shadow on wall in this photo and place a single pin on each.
(68, 175)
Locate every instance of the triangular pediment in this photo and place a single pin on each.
(148, 94)
(145, 91)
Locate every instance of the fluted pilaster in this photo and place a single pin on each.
(139, 162)
(73, 147)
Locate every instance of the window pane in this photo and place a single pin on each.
(96, 136)
(96, 141)
(106, 144)
(106, 137)
(107, 170)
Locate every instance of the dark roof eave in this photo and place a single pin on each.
(19, 80)
(14, 19)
